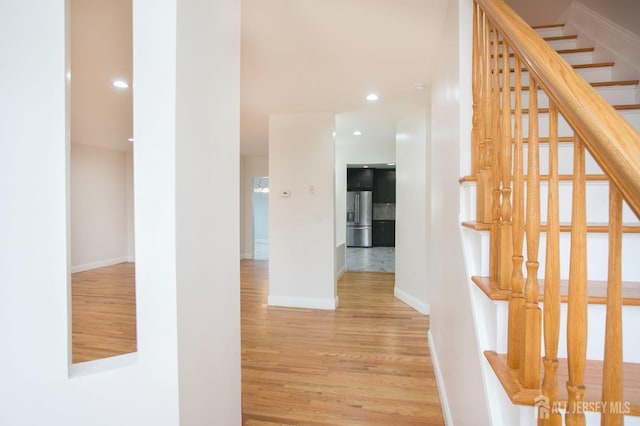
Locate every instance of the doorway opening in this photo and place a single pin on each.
(371, 217)
(101, 170)
(260, 205)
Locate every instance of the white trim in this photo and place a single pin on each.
(618, 40)
(303, 302)
(244, 256)
(99, 264)
(101, 365)
(131, 259)
(416, 304)
(442, 393)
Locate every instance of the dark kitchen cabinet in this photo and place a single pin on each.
(384, 233)
(384, 186)
(359, 179)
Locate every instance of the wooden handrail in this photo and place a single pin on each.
(610, 139)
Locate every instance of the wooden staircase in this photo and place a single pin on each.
(554, 203)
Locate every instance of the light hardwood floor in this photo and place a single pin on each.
(103, 312)
(367, 363)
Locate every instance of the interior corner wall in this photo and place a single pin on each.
(207, 157)
(250, 166)
(99, 207)
(458, 361)
(412, 213)
(622, 12)
(301, 211)
(131, 240)
(540, 12)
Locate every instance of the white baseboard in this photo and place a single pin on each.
(606, 33)
(98, 264)
(131, 259)
(416, 304)
(444, 402)
(303, 302)
(244, 256)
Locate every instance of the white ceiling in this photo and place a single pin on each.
(297, 56)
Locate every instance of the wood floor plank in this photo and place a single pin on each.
(103, 312)
(367, 363)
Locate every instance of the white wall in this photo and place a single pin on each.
(302, 226)
(534, 13)
(207, 157)
(99, 207)
(250, 166)
(623, 12)
(454, 344)
(187, 369)
(131, 243)
(412, 213)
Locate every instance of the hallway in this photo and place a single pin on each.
(366, 363)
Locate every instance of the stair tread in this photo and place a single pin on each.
(541, 27)
(596, 291)
(593, 228)
(593, 381)
(598, 84)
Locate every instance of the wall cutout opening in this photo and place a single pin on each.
(101, 180)
(260, 206)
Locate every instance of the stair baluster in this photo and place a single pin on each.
(552, 277)
(487, 151)
(577, 309)
(494, 256)
(530, 357)
(612, 376)
(475, 89)
(516, 298)
(505, 229)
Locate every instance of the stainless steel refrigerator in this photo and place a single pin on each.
(359, 218)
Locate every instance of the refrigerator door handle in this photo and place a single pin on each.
(357, 221)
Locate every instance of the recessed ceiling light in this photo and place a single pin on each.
(371, 97)
(120, 84)
(357, 133)
(130, 139)
(365, 167)
(391, 164)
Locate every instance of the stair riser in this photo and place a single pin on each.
(576, 58)
(597, 255)
(632, 116)
(592, 75)
(551, 32)
(555, 44)
(597, 196)
(595, 329)
(565, 160)
(615, 95)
